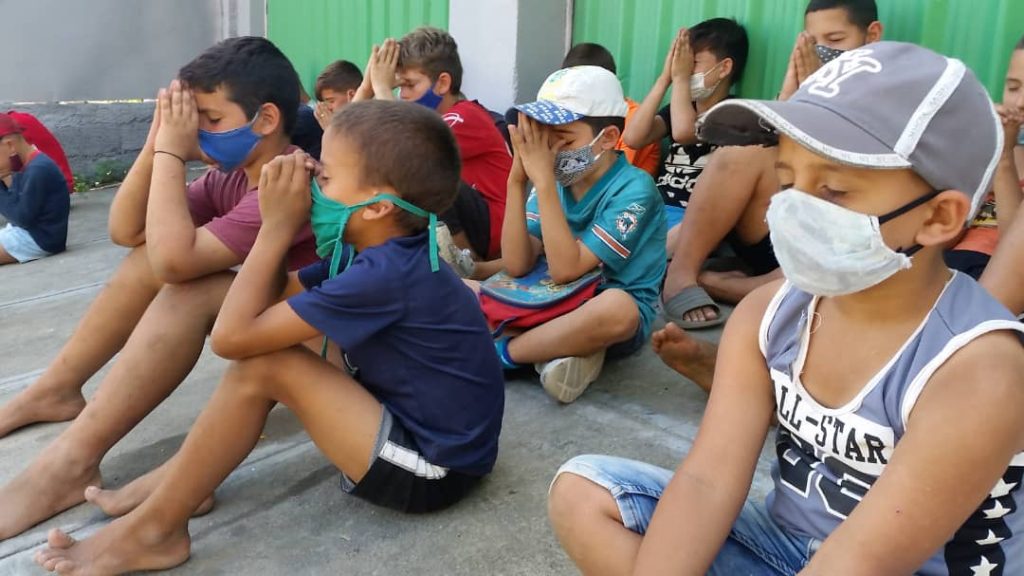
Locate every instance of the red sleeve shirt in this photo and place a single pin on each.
(486, 160)
(37, 135)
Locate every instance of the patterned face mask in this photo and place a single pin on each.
(827, 250)
(572, 165)
(826, 54)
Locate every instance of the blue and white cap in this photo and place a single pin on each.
(887, 105)
(573, 93)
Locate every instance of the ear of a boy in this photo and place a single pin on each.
(444, 83)
(269, 119)
(947, 220)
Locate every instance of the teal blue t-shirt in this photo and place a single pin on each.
(622, 221)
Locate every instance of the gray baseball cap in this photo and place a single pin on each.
(887, 105)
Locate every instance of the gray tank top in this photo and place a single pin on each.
(828, 458)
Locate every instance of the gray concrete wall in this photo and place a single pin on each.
(112, 49)
(96, 136)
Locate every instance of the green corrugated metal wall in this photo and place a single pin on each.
(979, 32)
(313, 33)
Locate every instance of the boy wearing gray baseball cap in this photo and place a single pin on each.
(892, 456)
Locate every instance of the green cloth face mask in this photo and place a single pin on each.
(328, 218)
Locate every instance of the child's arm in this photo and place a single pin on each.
(252, 321)
(1004, 275)
(127, 222)
(519, 250)
(707, 492)
(960, 438)
(568, 259)
(684, 116)
(645, 126)
(382, 67)
(1007, 180)
(178, 251)
(803, 61)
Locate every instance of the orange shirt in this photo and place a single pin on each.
(647, 158)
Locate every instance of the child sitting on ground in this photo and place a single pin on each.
(702, 66)
(33, 198)
(892, 457)
(413, 424)
(588, 208)
(425, 67)
(335, 87)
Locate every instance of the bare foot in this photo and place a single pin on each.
(35, 404)
(691, 357)
(124, 545)
(125, 499)
(53, 483)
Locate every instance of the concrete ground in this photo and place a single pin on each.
(281, 511)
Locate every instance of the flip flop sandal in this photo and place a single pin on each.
(691, 298)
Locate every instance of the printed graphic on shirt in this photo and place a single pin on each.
(453, 119)
(683, 165)
(832, 460)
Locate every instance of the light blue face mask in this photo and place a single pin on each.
(1020, 137)
(230, 148)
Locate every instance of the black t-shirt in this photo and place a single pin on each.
(682, 166)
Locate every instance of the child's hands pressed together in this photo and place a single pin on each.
(284, 193)
(805, 57)
(323, 114)
(383, 67)
(177, 122)
(535, 146)
(682, 58)
(1011, 117)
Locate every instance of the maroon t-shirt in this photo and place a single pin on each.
(224, 204)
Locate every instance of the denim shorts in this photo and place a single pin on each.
(19, 244)
(756, 544)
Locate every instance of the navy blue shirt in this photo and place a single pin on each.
(419, 343)
(38, 200)
(307, 133)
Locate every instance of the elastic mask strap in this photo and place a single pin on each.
(417, 211)
(907, 207)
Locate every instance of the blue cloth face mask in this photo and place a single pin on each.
(230, 148)
(430, 99)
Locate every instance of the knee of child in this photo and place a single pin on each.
(619, 314)
(572, 498)
(569, 494)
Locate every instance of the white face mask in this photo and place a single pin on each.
(827, 250)
(698, 90)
